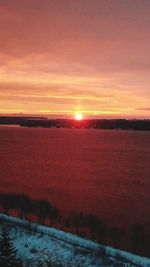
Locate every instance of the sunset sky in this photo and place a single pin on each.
(59, 57)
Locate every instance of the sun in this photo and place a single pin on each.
(78, 116)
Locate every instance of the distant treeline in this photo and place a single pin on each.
(142, 125)
(18, 120)
(86, 225)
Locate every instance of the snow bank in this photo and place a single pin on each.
(75, 241)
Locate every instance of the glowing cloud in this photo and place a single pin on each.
(59, 56)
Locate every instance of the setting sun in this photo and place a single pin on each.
(78, 116)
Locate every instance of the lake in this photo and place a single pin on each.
(105, 172)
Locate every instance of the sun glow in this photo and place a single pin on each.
(78, 116)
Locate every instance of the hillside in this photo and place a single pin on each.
(39, 245)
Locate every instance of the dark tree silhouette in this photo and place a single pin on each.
(6, 204)
(54, 215)
(78, 221)
(25, 206)
(42, 209)
(22, 204)
(95, 225)
(137, 238)
(45, 210)
(116, 234)
(8, 253)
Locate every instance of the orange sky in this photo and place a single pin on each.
(58, 57)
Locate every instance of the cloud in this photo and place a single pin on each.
(107, 36)
(144, 109)
(71, 54)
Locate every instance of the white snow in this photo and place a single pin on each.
(41, 244)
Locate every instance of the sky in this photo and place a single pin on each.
(60, 57)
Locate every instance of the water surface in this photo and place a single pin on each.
(106, 172)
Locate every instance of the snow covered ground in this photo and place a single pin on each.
(44, 246)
